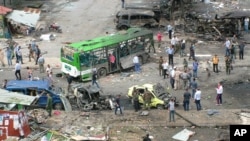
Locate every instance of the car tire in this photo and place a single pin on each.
(159, 107)
(58, 106)
(124, 27)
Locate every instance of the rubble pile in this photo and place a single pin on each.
(38, 115)
(78, 125)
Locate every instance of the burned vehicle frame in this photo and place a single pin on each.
(89, 98)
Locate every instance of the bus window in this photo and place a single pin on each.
(99, 56)
(67, 54)
(84, 59)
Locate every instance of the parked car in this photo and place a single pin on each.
(135, 18)
(160, 98)
(39, 89)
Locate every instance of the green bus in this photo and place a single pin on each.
(81, 58)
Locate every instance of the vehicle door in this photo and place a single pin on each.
(135, 20)
(42, 98)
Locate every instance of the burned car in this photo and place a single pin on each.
(135, 18)
(89, 98)
(160, 95)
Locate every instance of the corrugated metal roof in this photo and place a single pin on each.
(27, 17)
(15, 98)
(4, 10)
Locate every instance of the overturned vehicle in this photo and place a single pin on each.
(89, 98)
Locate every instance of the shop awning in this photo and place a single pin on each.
(15, 98)
(4, 10)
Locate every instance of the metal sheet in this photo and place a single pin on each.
(27, 18)
(15, 98)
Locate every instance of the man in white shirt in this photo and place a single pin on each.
(197, 99)
(227, 47)
(172, 74)
(18, 71)
(136, 64)
(219, 91)
(170, 29)
(165, 68)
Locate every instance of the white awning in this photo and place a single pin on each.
(15, 98)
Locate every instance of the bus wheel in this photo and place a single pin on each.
(58, 106)
(102, 72)
(124, 27)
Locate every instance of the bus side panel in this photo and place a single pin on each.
(127, 62)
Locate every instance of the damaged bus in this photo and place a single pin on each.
(79, 59)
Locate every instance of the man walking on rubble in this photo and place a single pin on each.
(170, 52)
(197, 99)
(118, 104)
(177, 79)
(228, 62)
(160, 66)
(215, 63)
(94, 78)
(241, 50)
(171, 109)
(1, 57)
(159, 39)
(165, 69)
(147, 96)
(170, 29)
(172, 75)
(194, 86)
(184, 77)
(49, 104)
(227, 45)
(186, 100)
(135, 95)
(219, 91)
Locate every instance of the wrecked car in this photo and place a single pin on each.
(38, 89)
(160, 98)
(89, 98)
(135, 18)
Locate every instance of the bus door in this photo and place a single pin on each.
(113, 58)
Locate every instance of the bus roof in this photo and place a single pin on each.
(99, 42)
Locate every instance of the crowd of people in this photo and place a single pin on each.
(13, 53)
(185, 78)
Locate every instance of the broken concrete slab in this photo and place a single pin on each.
(183, 135)
(211, 112)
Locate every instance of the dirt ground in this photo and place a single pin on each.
(82, 20)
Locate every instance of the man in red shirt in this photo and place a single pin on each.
(112, 61)
(159, 38)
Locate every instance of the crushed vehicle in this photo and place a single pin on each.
(160, 98)
(207, 22)
(161, 8)
(135, 18)
(89, 98)
(39, 89)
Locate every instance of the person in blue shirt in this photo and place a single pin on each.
(195, 68)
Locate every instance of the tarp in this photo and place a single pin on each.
(15, 98)
(4, 10)
(26, 17)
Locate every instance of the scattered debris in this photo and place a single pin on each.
(144, 113)
(183, 135)
(211, 112)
